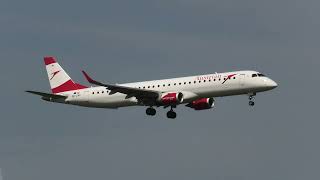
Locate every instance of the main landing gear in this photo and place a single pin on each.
(152, 112)
(171, 114)
(251, 99)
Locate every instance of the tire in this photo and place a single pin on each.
(151, 112)
(251, 103)
(172, 115)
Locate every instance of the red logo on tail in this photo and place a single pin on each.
(54, 74)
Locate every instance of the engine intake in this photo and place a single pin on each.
(171, 98)
(202, 104)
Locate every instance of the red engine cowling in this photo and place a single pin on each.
(202, 104)
(171, 98)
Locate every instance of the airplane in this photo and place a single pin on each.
(196, 92)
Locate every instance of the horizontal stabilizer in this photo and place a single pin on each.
(47, 95)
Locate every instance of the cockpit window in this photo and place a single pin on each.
(261, 75)
(254, 75)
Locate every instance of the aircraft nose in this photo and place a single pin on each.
(272, 84)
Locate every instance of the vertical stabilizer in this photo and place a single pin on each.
(59, 80)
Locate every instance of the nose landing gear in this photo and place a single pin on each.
(251, 99)
(251, 103)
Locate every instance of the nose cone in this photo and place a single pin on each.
(272, 84)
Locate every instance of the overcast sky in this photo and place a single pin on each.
(121, 41)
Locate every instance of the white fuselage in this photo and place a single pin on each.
(193, 88)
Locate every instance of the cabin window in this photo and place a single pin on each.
(185, 82)
(190, 82)
(175, 84)
(204, 81)
(168, 84)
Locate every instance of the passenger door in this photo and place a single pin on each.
(242, 78)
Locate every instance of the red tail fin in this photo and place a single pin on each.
(59, 80)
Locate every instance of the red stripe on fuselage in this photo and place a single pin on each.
(49, 60)
(68, 86)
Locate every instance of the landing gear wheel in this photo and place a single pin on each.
(171, 114)
(251, 99)
(151, 111)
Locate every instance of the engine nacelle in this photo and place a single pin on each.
(202, 104)
(171, 98)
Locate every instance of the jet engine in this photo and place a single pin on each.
(202, 104)
(173, 98)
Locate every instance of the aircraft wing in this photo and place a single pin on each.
(47, 95)
(129, 91)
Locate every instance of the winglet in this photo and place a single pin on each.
(89, 79)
